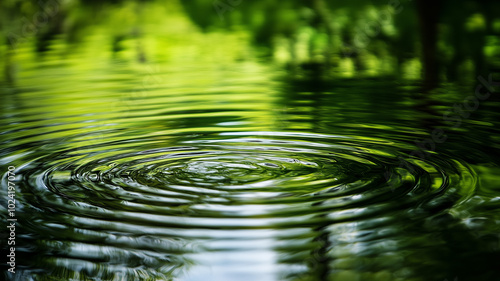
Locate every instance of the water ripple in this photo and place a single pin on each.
(131, 203)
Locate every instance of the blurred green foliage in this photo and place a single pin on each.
(318, 37)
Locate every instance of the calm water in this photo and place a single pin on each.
(210, 164)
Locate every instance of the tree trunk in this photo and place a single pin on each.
(428, 15)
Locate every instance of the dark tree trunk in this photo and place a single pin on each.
(428, 15)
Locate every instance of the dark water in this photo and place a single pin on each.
(215, 165)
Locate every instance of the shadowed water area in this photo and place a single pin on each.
(151, 145)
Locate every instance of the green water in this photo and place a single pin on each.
(179, 154)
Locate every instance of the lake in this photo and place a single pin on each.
(168, 152)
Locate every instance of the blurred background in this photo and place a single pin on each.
(252, 139)
(438, 41)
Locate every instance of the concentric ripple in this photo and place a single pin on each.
(263, 168)
(155, 203)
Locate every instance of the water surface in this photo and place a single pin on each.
(206, 162)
